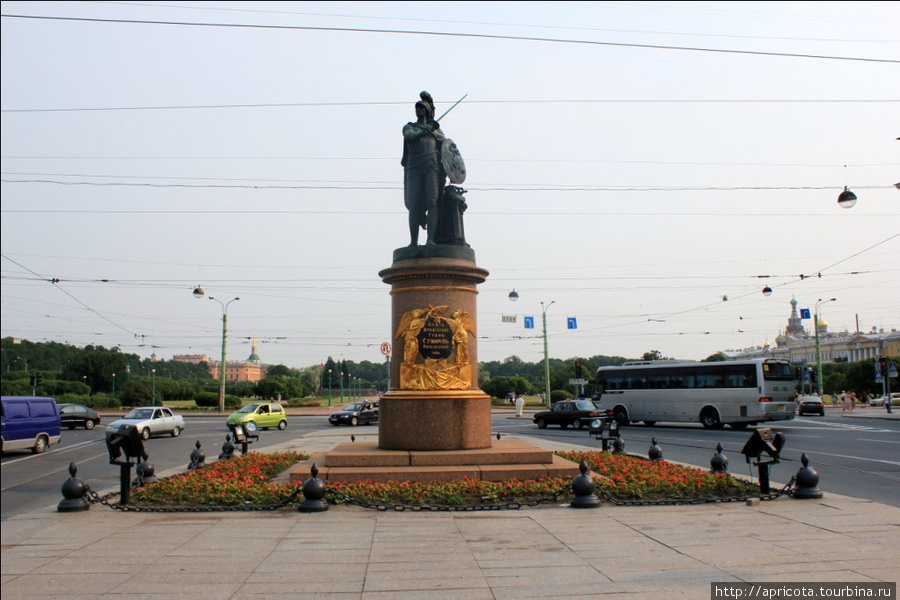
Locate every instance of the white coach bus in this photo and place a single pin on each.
(736, 393)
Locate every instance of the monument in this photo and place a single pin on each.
(434, 423)
(433, 317)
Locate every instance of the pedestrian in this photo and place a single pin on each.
(846, 398)
(834, 399)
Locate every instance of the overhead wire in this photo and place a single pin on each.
(484, 36)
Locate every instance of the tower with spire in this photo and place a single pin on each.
(795, 325)
(254, 357)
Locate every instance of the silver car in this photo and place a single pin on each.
(150, 421)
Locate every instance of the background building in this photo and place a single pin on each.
(798, 345)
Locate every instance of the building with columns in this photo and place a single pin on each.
(798, 345)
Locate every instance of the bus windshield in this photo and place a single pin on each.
(777, 372)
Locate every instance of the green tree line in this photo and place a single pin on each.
(109, 377)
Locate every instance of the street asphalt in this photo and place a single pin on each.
(348, 552)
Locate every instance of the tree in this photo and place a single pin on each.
(717, 357)
(280, 386)
(653, 355)
(499, 387)
(281, 370)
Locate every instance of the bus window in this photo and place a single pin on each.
(710, 380)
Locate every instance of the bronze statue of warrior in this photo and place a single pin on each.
(423, 174)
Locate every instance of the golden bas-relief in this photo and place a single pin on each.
(435, 349)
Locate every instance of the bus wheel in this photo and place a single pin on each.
(710, 419)
(620, 416)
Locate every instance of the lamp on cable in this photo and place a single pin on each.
(767, 291)
(846, 199)
(513, 296)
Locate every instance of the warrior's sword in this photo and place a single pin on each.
(441, 118)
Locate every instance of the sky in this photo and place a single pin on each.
(645, 168)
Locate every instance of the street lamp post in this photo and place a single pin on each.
(224, 346)
(546, 354)
(152, 387)
(329, 387)
(342, 387)
(818, 353)
(114, 384)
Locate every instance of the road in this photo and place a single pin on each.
(854, 457)
(32, 481)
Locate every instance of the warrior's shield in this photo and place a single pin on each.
(452, 161)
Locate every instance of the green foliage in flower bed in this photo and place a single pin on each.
(626, 478)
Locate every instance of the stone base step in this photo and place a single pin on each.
(507, 459)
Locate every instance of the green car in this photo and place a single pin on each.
(259, 415)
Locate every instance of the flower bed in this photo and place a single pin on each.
(236, 481)
(626, 477)
(246, 480)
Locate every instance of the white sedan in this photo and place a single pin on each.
(150, 421)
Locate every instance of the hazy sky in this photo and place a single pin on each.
(631, 162)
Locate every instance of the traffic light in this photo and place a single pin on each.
(883, 365)
(577, 369)
(38, 379)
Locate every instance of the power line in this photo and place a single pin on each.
(453, 35)
(471, 102)
(55, 281)
(393, 186)
(472, 160)
(536, 26)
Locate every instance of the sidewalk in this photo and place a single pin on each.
(353, 553)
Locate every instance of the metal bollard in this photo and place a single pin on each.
(655, 453)
(583, 489)
(227, 448)
(719, 462)
(74, 492)
(313, 493)
(144, 474)
(807, 482)
(198, 459)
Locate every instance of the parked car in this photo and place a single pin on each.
(150, 421)
(356, 413)
(879, 400)
(76, 415)
(569, 412)
(259, 415)
(810, 404)
(28, 422)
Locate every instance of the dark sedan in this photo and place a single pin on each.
(810, 404)
(76, 415)
(569, 412)
(356, 413)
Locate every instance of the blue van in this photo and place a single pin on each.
(29, 422)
